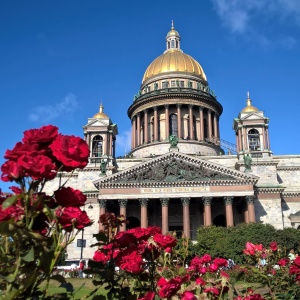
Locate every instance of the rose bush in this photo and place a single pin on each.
(35, 228)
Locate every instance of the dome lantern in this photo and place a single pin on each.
(173, 39)
(249, 108)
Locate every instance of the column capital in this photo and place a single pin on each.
(250, 199)
(143, 202)
(123, 202)
(191, 105)
(228, 200)
(102, 203)
(178, 105)
(185, 201)
(155, 108)
(138, 114)
(164, 201)
(133, 118)
(207, 200)
(200, 108)
(146, 111)
(166, 105)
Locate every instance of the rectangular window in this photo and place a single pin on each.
(164, 84)
(181, 83)
(173, 83)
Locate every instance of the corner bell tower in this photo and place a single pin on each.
(100, 134)
(252, 131)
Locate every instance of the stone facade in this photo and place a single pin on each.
(188, 183)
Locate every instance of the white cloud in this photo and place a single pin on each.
(123, 143)
(253, 17)
(50, 112)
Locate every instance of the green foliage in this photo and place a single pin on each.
(230, 242)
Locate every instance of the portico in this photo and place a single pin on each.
(183, 191)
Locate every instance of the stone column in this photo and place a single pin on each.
(133, 132)
(191, 122)
(228, 209)
(144, 217)
(138, 129)
(123, 204)
(201, 124)
(146, 133)
(102, 204)
(251, 208)
(267, 137)
(179, 121)
(164, 215)
(246, 215)
(237, 142)
(167, 129)
(105, 146)
(110, 144)
(215, 128)
(155, 124)
(246, 146)
(207, 210)
(209, 124)
(240, 139)
(186, 216)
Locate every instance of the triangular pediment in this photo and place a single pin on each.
(176, 168)
(97, 123)
(253, 116)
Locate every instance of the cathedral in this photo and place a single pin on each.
(180, 175)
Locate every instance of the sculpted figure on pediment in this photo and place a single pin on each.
(173, 170)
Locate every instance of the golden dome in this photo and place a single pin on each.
(249, 108)
(100, 114)
(174, 61)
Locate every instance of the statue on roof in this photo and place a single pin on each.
(173, 139)
(248, 162)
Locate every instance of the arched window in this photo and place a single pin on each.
(97, 146)
(173, 126)
(253, 140)
(172, 44)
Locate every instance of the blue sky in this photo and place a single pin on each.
(60, 59)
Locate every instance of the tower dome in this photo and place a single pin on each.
(249, 108)
(173, 60)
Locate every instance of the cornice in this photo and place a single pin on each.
(268, 190)
(288, 168)
(289, 194)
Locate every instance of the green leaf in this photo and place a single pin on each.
(7, 228)
(59, 278)
(10, 201)
(101, 237)
(29, 256)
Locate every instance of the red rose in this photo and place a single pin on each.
(171, 287)
(187, 295)
(283, 262)
(37, 167)
(273, 246)
(100, 257)
(15, 212)
(45, 134)
(164, 240)
(224, 274)
(72, 216)
(148, 296)
(71, 151)
(131, 263)
(297, 261)
(67, 196)
(153, 230)
(206, 258)
(21, 149)
(220, 262)
(140, 233)
(200, 281)
(124, 239)
(11, 171)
